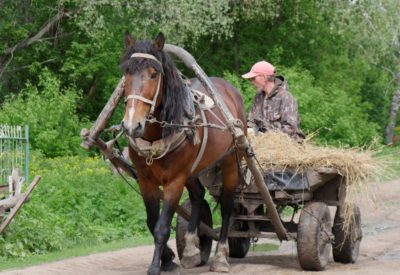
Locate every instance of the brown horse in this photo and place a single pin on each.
(154, 93)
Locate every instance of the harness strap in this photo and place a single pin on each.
(152, 102)
(148, 56)
(203, 144)
(140, 98)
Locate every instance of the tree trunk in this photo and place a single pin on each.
(394, 109)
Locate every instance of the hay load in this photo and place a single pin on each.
(277, 151)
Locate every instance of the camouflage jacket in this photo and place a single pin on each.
(277, 111)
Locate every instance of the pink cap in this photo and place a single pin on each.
(260, 68)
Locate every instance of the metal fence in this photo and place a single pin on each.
(14, 151)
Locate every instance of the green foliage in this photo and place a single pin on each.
(78, 201)
(244, 86)
(50, 113)
(337, 117)
(373, 93)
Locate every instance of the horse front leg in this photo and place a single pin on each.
(151, 198)
(172, 194)
(191, 253)
(230, 180)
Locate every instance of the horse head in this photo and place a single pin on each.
(143, 70)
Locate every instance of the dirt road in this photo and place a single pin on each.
(379, 252)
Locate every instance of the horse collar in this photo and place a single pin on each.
(159, 148)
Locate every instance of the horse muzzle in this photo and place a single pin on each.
(134, 130)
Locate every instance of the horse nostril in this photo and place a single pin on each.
(138, 130)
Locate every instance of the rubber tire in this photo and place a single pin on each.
(205, 241)
(313, 246)
(238, 247)
(347, 246)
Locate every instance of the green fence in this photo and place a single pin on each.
(14, 151)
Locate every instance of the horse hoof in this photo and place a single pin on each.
(219, 265)
(153, 271)
(191, 261)
(170, 267)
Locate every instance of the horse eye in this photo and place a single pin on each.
(153, 75)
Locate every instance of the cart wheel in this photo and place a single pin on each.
(314, 236)
(181, 228)
(238, 247)
(347, 244)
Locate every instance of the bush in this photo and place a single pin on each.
(338, 118)
(78, 201)
(50, 113)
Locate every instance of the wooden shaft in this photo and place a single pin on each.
(259, 181)
(103, 118)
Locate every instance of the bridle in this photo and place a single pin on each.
(152, 102)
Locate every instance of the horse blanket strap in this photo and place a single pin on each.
(159, 148)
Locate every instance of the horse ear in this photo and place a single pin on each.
(159, 41)
(129, 40)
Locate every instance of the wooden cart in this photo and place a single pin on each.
(310, 193)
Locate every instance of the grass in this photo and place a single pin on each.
(264, 247)
(73, 252)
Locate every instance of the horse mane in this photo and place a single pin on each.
(176, 102)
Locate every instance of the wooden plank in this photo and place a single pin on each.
(317, 178)
(15, 210)
(9, 202)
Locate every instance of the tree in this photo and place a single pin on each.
(38, 33)
(375, 29)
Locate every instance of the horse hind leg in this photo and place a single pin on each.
(191, 253)
(230, 177)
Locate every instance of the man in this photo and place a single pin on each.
(274, 107)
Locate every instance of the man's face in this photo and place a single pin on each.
(259, 82)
